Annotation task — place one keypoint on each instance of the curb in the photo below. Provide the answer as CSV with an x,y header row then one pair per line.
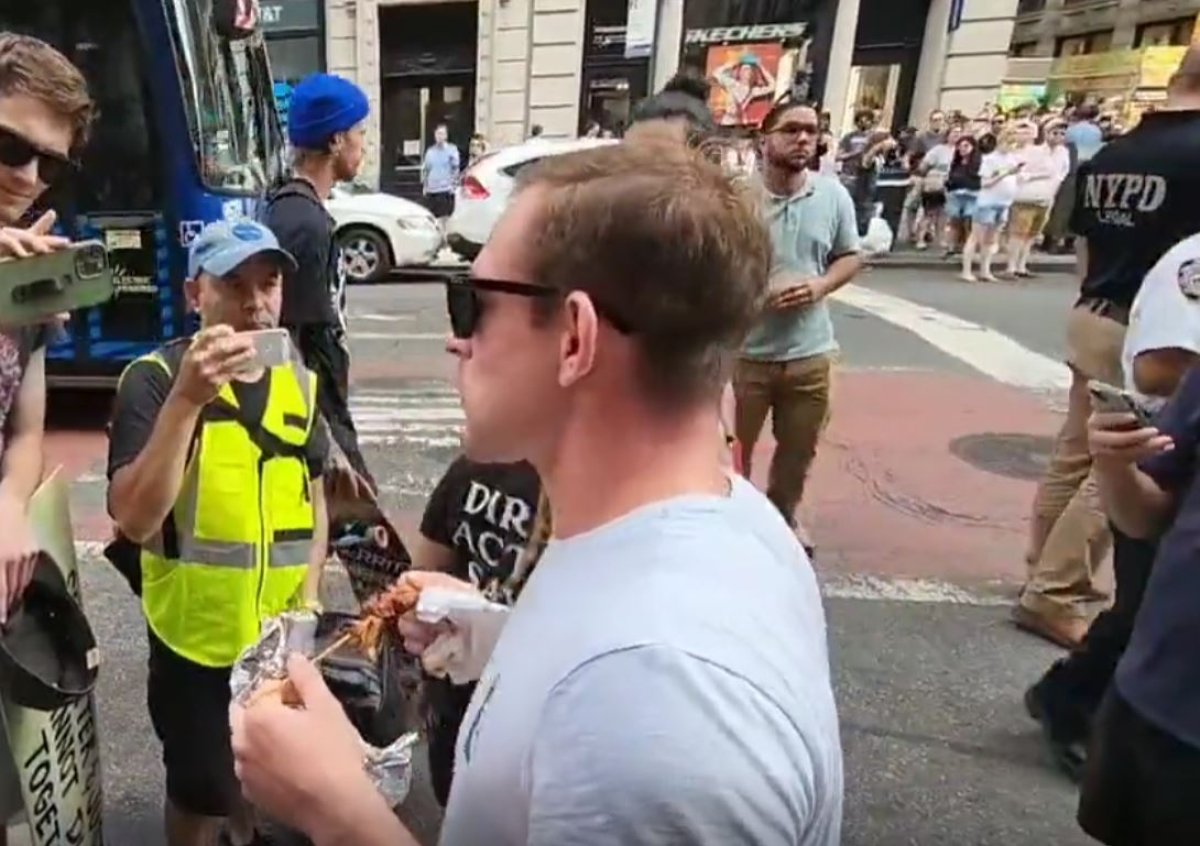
x,y
893,261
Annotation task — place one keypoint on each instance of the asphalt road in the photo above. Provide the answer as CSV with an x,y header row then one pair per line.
x,y
919,548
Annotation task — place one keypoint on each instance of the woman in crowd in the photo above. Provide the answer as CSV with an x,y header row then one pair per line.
x,y
962,189
1045,167
935,168
998,170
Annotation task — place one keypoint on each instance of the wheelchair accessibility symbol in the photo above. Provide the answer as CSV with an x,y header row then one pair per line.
x,y
189,230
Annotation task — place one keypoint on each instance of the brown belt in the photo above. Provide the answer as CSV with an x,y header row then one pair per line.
x,y
1105,308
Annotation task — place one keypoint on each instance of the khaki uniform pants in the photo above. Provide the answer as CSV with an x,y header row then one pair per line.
x,y
1068,571
796,393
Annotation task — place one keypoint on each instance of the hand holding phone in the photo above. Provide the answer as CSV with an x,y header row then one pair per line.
x,y
1109,399
272,348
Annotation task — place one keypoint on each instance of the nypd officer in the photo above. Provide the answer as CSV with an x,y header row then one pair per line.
x,y
213,472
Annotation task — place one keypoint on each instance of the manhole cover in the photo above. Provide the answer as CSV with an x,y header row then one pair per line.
x,y
1016,455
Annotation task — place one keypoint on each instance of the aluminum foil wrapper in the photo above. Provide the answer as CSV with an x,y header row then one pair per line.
x,y
389,768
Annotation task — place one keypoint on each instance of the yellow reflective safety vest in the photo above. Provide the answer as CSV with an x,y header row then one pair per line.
x,y
235,548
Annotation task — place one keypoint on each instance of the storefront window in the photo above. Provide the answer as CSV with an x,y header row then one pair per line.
x,y
294,58
873,87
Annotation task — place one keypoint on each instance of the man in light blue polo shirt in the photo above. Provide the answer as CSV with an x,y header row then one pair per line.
x,y
439,174
787,358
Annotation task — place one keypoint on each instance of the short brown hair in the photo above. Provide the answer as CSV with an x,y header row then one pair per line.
x,y
664,242
32,67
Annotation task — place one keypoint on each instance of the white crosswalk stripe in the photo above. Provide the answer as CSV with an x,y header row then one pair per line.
x,y
422,416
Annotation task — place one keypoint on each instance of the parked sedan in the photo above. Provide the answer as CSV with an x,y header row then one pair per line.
x,y
378,232
486,186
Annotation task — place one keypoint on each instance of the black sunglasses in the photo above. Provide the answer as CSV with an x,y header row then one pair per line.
x,y
466,307
18,151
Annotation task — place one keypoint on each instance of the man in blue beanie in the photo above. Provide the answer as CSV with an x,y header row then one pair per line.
x,y
326,129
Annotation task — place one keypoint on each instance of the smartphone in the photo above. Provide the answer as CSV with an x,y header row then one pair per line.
x,y
38,287
1112,400
272,348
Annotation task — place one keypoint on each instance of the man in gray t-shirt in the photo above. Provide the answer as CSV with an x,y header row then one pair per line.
x,y
647,692
663,677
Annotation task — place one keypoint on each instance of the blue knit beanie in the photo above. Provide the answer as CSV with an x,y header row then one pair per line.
x,y
322,106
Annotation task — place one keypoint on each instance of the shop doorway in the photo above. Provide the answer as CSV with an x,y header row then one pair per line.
x,y
610,93
427,57
412,108
874,87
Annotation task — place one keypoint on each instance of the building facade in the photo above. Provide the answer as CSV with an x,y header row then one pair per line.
x,y
502,67
1073,27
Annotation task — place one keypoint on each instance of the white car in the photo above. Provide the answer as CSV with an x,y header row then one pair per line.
x,y
486,186
377,232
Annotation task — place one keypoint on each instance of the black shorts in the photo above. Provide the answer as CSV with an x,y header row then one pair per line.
x,y
440,205
189,707
1141,784
933,200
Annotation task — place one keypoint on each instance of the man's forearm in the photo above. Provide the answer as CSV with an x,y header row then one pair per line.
x,y
24,462
320,544
841,272
145,491
369,823
1133,501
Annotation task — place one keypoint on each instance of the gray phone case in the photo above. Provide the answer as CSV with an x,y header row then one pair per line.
x,y
38,287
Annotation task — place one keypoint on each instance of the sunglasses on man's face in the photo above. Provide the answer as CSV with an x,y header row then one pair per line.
x,y
466,305
18,151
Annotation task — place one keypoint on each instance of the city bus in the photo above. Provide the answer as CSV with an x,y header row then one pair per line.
x,y
187,133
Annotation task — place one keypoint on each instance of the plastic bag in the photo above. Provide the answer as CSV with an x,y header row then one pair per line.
x,y
879,237
389,766
362,537
377,691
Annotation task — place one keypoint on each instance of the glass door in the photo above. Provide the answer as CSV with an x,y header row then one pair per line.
x,y
873,87
412,109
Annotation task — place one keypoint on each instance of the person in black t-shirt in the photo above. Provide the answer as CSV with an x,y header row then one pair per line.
x,y
325,126
1135,200
477,525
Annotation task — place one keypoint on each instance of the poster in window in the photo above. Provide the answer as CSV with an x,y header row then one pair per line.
x,y
743,77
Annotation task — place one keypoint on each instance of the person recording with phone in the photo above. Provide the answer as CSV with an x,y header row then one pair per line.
x,y
45,118
327,132
214,466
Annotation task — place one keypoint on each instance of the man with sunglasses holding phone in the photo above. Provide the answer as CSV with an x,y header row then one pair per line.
x,y
45,116
786,364
664,675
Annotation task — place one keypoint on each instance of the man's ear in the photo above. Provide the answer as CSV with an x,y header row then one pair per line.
x,y
191,294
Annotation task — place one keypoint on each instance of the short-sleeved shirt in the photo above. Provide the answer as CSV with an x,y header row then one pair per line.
x,y
662,679
145,387
314,294
1166,313
1135,200
1159,674
809,231
441,169
1086,138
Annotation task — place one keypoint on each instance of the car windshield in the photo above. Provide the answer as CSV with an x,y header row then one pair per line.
x,y
227,84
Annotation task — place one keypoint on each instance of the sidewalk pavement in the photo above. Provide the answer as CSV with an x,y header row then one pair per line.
x,y
906,258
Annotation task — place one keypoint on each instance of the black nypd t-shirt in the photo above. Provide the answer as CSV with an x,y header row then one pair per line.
x,y
1136,199
485,513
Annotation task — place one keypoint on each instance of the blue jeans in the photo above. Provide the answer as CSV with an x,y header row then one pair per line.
x,y
990,215
960,205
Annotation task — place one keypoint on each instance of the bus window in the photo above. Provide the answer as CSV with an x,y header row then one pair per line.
x,y
230,126
100,37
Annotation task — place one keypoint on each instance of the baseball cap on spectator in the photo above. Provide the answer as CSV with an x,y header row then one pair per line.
x,y
323,105
222,246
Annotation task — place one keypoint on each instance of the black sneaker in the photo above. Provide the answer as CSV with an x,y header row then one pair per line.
x,y
1069,755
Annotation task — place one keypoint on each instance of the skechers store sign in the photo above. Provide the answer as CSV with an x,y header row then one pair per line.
x,y
752,32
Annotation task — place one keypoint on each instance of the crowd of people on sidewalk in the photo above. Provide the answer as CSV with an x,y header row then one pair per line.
x,y
652,290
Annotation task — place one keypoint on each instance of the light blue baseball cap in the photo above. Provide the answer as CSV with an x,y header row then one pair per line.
x,y
222,246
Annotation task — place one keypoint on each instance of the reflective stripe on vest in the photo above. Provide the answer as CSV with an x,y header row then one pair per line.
x,y
236,547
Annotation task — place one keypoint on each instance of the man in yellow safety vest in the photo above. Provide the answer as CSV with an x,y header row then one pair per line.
x,y
214,466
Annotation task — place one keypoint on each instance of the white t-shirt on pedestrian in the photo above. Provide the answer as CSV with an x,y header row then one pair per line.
x,y
1166,311
1044,171
1003,193
663,679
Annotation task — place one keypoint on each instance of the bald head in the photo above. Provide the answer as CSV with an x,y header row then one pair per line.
x,y
1185,83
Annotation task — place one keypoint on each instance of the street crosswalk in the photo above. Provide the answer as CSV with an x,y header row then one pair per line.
x,y
425,415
